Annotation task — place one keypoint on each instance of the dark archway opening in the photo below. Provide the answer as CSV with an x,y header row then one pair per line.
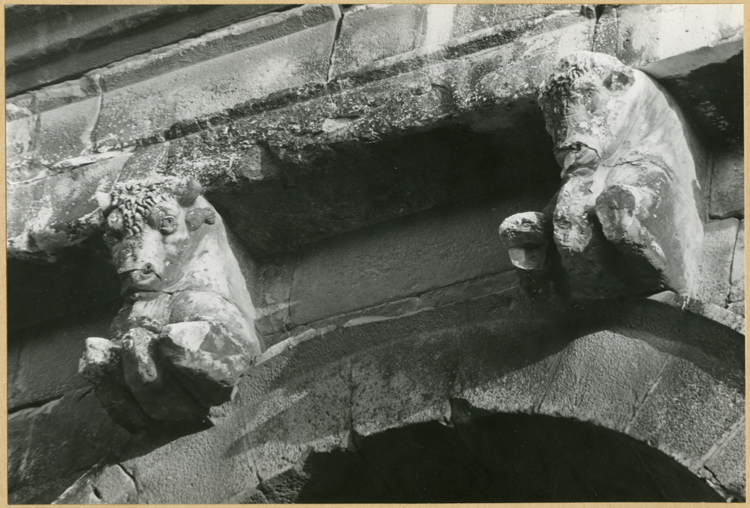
x,y
496,458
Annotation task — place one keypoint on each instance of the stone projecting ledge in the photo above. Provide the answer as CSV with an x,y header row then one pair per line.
x,y
356,134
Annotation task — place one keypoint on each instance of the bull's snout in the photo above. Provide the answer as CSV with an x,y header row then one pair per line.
x,y
144,278
575,156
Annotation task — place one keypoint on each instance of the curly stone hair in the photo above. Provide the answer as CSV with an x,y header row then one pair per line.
x,y
134,199
607,69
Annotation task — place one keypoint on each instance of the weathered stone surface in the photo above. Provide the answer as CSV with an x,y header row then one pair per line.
x,y
709,311
241,61
603,378
737,279
684,389
727,183
70,40
185,335
498,353
110,484
650,36
283,421
727,465
201,467
506,371
716,267
392,387
330,164
47,361
433,32
469,18
363,41
56,442
399,259
619,227
58,211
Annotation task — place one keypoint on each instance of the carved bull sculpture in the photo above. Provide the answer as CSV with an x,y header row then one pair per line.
x,y
185,334
628,217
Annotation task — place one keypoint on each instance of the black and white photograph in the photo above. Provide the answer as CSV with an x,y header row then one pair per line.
x,y
375,253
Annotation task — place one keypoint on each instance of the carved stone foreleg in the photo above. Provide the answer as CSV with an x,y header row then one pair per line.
x,y
206,359
527,236
151,384
101,365
638,210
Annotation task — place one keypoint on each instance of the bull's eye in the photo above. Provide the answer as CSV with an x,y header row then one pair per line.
x,y
167,225
110,239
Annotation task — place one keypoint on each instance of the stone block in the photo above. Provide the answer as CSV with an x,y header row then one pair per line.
x,y
686,413
283,422
363,39
60,210
394,386
69,40
67,115
509,367
436,30
405,257
728,184
727,465
229,67
716,267
737,281
197,466
58,440
469,18
603,378
49,354
668,40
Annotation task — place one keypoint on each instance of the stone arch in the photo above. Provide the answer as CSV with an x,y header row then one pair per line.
x,y
501,457
659,374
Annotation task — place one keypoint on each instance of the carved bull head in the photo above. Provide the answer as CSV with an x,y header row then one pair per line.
x,y
585,109
151,226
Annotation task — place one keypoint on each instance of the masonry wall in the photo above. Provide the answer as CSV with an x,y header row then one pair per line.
x,y
363,175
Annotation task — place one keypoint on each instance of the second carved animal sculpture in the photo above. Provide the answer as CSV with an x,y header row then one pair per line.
x,y
628,218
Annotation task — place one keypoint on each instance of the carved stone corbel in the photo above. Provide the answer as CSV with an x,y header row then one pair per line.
x,y
628,217
186,332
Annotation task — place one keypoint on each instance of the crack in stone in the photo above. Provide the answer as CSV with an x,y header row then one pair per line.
x,y
336,35
552,379
651,389
721,444
88,135
35,404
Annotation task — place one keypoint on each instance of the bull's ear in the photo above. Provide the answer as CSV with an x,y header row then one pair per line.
x,y
619,79
193,189
103,199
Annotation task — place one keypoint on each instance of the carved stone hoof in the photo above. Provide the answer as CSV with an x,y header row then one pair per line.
x,y
157,393
208,364
526,236
99,359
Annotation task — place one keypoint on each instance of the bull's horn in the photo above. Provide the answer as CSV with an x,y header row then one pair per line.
x,y
192,191
103,199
